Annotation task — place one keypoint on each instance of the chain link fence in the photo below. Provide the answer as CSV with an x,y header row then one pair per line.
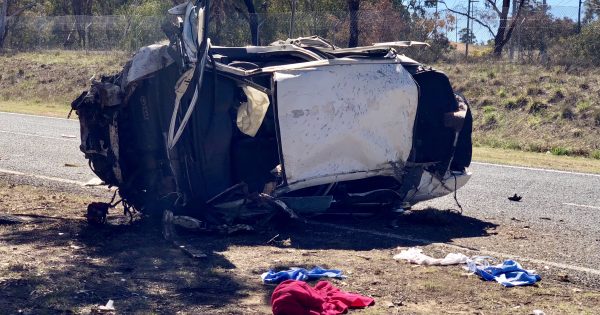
x,y
539,34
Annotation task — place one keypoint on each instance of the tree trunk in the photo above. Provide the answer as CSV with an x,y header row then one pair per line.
x,y
499,40
82,9
252,20
3,14
505,31
353,7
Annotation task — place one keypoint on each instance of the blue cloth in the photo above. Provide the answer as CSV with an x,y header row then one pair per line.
x,y
275,277
509,273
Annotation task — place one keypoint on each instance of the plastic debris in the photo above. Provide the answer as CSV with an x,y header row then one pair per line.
x,y
515,197
108,308
94,182
415,256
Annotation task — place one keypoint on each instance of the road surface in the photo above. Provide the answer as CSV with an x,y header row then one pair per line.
x,y
42,146
557,221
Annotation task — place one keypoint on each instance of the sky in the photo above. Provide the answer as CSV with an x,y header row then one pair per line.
x,y
558,8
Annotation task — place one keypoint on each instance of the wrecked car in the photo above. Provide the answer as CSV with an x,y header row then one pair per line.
x,y
301,126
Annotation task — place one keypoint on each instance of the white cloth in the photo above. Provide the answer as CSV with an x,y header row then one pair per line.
x,y
415,256
251,114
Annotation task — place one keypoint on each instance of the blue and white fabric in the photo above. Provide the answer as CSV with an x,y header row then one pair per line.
x,y
509,273
276,277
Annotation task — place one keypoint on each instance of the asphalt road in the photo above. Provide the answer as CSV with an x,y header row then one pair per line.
x,y
42,146
558,219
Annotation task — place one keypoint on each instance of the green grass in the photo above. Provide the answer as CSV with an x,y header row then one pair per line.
x,y
51,109
560,151
539,160
583,105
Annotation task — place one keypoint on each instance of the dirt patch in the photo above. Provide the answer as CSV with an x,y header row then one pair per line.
x,y
53,262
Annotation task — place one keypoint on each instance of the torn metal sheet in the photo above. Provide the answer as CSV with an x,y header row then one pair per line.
x,y
432,187
326,129
148,60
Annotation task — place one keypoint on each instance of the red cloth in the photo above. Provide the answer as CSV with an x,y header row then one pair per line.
x,y
293,297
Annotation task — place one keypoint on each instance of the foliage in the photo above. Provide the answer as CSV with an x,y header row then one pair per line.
x,y
581,49
467,36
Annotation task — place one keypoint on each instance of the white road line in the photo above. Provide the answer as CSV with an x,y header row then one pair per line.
x,y
50,178
578,205
458,247
537,169
38,136
37,116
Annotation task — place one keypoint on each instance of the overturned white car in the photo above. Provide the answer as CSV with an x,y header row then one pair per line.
x,y
220,133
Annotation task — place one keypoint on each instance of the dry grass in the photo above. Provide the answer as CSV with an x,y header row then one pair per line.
x,y
64,266
532,159
532,108
46,82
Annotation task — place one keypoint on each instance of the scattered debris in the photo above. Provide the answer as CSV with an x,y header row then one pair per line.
x,y
272,239
564,277
515,197
237,228
72,165
283,243
415,256
94,182
69,136
97,212
109,308
301,274
188,222
191,251
546,218
538,312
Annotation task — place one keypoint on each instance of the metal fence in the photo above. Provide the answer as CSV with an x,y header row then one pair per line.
x,y
536,34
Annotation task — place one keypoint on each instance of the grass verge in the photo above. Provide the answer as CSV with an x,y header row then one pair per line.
x,y
540,160
51,109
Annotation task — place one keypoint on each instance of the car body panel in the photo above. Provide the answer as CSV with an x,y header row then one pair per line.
x,y
326,129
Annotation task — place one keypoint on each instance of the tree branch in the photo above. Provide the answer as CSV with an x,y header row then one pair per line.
x,y
471,17
492,3
21,10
